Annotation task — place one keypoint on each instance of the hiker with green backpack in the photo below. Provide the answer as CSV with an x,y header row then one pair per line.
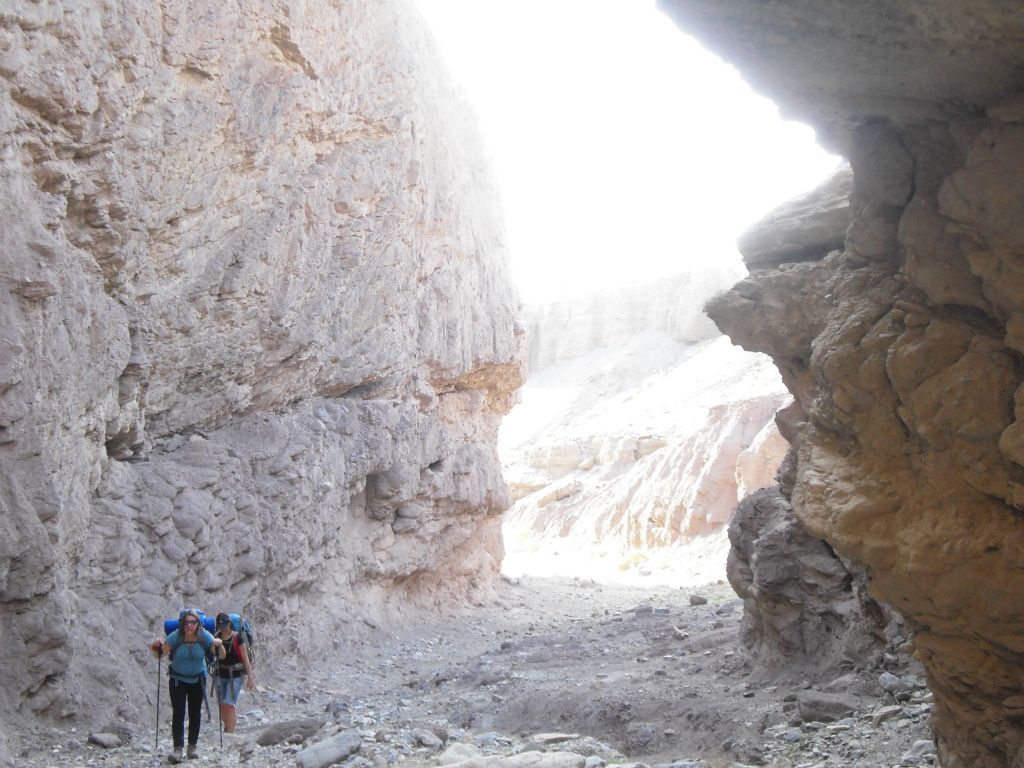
x,y
187,645
232,666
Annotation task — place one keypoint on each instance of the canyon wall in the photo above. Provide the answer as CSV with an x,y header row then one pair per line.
x,y
564,330
903,347
637,432
257,332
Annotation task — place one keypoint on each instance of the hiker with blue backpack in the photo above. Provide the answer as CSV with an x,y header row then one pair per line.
x,y
187,645
231,668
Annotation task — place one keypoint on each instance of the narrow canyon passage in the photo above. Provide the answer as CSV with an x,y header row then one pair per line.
x,y
259,333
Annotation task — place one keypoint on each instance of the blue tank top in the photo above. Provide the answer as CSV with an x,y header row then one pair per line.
x,y
189,659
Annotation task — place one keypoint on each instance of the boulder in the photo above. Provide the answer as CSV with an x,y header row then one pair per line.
x,y
329,752
817,707
289,731
105,740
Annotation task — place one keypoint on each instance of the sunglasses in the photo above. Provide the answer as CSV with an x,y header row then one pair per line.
x,y
191,621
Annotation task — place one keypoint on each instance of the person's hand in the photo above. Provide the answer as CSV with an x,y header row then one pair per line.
x,y
249,683
157,646
217,642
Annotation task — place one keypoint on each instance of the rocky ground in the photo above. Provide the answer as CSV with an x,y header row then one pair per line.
x,y
554,674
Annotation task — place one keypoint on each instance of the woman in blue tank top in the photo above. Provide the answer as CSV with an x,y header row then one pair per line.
x,y
187,645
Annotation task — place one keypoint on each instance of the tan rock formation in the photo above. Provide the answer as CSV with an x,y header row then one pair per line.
x,y
904,351
256,335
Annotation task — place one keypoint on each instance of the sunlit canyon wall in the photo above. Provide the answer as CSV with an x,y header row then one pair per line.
x,y
638,429
903,347
256,337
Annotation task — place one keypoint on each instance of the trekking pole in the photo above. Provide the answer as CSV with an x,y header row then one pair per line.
x,y
220,714
159,674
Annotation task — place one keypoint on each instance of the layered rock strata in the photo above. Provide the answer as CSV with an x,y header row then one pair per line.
x,y
903,350
257,331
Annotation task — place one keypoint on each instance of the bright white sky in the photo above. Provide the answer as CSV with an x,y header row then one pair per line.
x,y
624,150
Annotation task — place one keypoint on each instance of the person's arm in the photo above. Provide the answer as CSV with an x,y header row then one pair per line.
x,y
215,642
250,683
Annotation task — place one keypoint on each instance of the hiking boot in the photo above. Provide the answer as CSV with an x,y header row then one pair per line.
x,y
175,756
193,751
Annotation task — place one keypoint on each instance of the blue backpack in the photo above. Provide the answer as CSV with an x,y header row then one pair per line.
x,y
170,625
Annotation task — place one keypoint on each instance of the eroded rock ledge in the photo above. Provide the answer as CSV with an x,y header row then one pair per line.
x,y
904,349
256,331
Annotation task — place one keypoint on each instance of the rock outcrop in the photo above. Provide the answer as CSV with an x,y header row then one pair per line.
x,y
257,331
904,350
805,228
801,602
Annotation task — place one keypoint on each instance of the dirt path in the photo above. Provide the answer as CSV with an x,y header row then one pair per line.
x,y
637,675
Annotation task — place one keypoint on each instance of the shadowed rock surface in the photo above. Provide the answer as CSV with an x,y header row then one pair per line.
x,y
904,350
801,602
256,332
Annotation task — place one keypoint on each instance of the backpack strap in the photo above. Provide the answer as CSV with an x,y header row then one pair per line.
x,y
174,647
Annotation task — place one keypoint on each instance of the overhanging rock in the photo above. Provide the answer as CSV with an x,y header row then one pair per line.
x,y
904,349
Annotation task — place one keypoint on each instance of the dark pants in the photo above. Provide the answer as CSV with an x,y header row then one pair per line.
x,y
181,693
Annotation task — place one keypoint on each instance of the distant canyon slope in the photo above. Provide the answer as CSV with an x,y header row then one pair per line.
x,y
256,333
903,344
637,432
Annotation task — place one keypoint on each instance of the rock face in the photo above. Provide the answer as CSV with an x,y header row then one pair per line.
x,y
633,443
806,228
256,334
904,350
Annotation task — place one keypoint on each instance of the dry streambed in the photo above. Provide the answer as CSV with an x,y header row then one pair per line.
x,y
554,674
